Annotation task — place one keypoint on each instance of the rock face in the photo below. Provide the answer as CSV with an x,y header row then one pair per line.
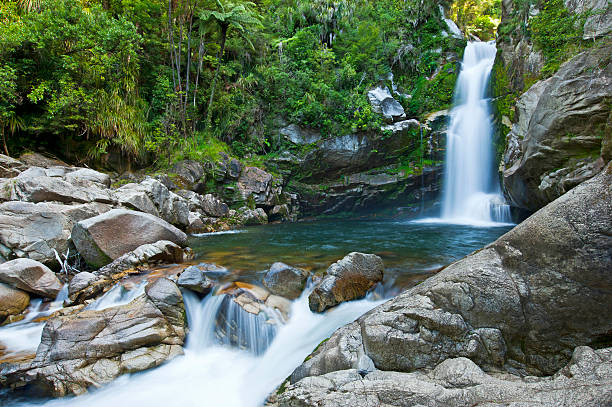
x,y
505,306
256,183
347,279
31,276
35,230
12,301
563,132
106,237
286,281
9,167
299,135
92,348
585,381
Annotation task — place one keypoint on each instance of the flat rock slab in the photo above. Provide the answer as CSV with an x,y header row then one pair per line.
x,y
31,276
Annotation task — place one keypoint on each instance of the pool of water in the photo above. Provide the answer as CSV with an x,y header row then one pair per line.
x,y
411,251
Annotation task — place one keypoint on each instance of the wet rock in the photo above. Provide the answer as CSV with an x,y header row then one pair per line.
x,y
347,279
280,212
31,276
383,102
12,301
286,281
163,251
91,348
254,299
299,135
9,167
460,382
80,281
562,128
256,183
504,307
35,230
106,237
194,278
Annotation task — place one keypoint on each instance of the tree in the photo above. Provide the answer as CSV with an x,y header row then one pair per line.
x,y
239,16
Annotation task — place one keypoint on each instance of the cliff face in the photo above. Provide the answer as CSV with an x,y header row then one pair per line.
x,y
555,131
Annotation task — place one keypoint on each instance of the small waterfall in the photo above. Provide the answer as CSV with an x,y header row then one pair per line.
x,y
471,189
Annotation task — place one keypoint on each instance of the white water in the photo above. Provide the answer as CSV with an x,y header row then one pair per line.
x,y
211,374
471,189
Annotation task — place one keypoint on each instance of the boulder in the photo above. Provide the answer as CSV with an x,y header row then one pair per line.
x,y
585,381
163,251
38,160
251,217
505,306
286,281
80,282
106,237
134,196
91,348
30,187
195,279
88,175
35,230
299,135
12,301
347,279
208,204
382,102
188,172
170,206
31,276
255,182
9,167
562,128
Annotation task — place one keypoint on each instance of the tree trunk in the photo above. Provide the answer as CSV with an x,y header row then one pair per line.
x,y
4,144
214,82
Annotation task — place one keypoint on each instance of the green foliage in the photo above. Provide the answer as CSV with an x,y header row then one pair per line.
x,y
477,17
557,33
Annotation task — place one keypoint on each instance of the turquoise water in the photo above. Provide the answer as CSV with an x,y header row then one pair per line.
x,y
411,251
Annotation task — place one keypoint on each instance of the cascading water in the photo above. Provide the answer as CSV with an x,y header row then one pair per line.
x,y
471,189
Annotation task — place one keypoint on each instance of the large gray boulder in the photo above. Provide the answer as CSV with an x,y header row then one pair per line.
x,y
384,103
286,281
170,206
31,276
194,278
347,279
255,182
134,196
91,348
459,382
35,230
563,131
522,303
106,237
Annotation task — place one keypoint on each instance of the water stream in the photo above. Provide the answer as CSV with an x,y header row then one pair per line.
x,y
471,188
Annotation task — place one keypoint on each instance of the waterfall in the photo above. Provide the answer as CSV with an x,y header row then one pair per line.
x,y
471,189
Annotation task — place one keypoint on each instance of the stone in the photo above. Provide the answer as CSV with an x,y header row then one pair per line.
x,y
35,230
170,206
9,167
106,237
506,306
80,281
134,196
563,124
12,301
162,251
251,217
459,382
255,182
234,169
193,278
31,276
89,175
189,172
208,204
32,188
299,135
348,279
382,102
39,160
286,281
91,348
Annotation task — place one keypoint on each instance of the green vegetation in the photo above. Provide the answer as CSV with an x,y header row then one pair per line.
x,y
477,17
164,80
